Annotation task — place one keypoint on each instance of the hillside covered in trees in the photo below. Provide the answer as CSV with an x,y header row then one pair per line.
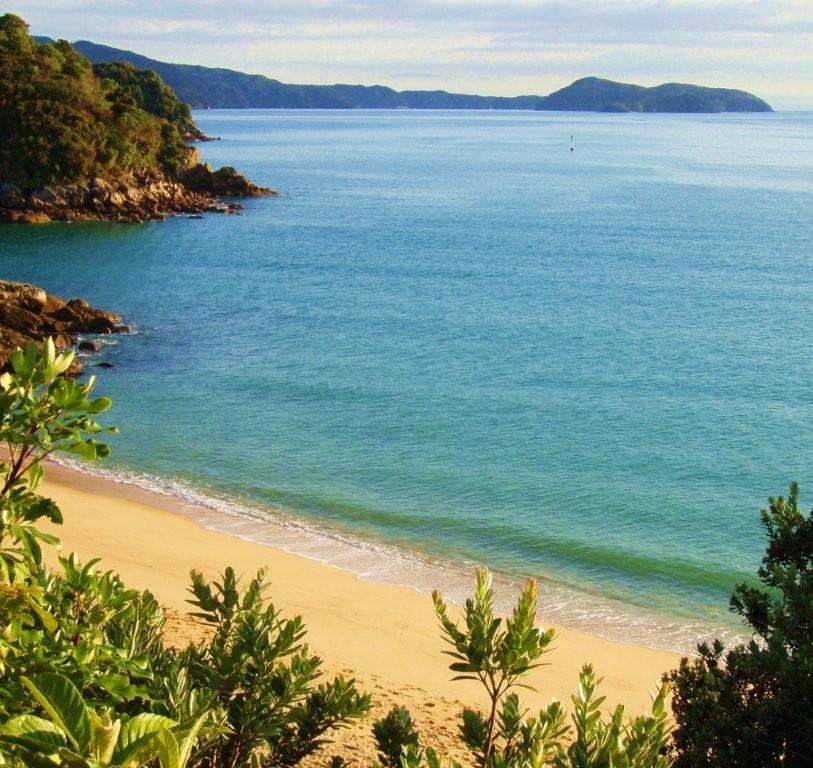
x,y
109,140
219,88
592,94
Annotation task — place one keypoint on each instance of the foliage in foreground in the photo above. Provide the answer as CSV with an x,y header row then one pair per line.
x,y
752,705
86,680
499,653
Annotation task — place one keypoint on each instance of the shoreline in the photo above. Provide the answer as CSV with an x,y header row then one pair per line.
x,y
374,559
385,635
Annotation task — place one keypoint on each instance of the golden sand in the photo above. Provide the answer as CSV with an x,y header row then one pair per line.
x,y
385,636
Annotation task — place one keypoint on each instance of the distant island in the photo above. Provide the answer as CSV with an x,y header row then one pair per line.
x,y
108,141
592,94
207,87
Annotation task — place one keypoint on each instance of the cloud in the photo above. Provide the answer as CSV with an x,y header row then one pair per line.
x,y
504,46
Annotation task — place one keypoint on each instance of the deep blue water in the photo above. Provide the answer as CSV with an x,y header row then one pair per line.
x,y
452,334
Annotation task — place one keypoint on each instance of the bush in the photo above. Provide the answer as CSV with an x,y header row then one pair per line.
x,y
85,677
753,704
393,734
498,653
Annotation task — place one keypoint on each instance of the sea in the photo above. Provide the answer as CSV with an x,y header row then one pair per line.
x,y
453,341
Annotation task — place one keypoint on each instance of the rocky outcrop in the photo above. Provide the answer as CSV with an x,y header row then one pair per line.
x,y
225,182
137,198
29,314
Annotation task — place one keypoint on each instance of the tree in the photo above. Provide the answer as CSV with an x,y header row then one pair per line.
x,y
752,705
61,122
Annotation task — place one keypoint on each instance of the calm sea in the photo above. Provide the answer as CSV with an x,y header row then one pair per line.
x,y
452,341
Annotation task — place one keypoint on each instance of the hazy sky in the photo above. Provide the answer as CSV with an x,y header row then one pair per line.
x,y
499,47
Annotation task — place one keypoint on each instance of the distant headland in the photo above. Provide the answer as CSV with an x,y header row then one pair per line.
x,y
207,87
108,141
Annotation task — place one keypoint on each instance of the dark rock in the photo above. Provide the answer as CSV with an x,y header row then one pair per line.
x,y
225,182
89,346
104,364
29,314
11,196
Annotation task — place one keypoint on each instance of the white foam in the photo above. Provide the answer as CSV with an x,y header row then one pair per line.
x,y
378,561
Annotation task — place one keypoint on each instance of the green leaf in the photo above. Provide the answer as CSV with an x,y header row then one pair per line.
x,y
168,752
84,448
105,736
136,744
99,405
60,698
32,731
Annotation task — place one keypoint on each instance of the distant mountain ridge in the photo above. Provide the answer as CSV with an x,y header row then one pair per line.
x,y
204,87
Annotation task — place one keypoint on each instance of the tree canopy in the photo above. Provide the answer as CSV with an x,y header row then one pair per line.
x,y
61,120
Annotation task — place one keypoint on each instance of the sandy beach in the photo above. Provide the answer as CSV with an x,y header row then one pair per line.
x,y
383,635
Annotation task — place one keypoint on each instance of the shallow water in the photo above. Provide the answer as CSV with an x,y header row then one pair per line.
x,y
455,337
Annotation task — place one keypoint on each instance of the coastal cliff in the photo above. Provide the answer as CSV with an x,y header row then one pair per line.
x,y
28,313
82,142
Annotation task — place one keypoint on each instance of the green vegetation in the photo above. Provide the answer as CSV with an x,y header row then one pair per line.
x,y
498,653
753,704
60,121
87,681
593,94
227,89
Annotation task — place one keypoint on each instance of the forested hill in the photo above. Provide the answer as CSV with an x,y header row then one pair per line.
x,y
228,89
592,94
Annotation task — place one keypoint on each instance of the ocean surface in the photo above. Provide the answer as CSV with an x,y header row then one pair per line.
x,y
452,341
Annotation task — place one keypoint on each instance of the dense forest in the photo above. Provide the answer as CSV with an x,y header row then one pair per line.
x,y
62,119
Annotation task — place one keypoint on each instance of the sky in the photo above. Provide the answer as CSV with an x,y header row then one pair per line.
x,y
494,47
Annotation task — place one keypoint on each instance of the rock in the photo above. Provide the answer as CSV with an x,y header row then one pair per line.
x,y
29,314
11,196
81,317
225,182
137,197
35,217
89,346
104,364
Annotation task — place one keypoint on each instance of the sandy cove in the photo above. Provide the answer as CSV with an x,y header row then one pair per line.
x,y
385,636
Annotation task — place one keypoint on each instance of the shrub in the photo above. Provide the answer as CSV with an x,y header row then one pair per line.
x,y
79,647
393,734
753,704
257,670
498,653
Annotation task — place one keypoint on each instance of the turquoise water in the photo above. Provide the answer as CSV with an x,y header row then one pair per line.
x,y
453,336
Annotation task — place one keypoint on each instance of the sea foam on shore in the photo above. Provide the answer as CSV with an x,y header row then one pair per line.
x,y
383,562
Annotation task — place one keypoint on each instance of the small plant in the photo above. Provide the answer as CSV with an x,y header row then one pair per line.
x,y
393,734
257,670
77,736
495,656
499,653
41,411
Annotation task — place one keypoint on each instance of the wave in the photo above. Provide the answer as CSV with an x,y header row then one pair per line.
x,y
382,562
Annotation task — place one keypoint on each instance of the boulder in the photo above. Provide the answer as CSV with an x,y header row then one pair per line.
x,y
224,182
29,314
11,197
